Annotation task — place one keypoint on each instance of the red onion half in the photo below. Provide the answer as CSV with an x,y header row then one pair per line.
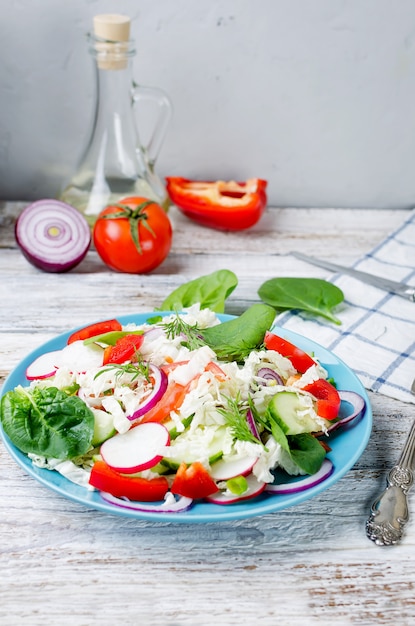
x,y
52,235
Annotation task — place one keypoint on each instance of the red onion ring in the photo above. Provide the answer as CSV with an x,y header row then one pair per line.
x,y
358,409
159,387
52,235
269,374
181,504
252,424
324,472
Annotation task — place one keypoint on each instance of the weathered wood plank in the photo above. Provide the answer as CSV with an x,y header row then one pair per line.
x,y
63,563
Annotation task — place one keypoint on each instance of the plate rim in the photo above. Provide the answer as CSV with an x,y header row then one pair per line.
x,y
200,512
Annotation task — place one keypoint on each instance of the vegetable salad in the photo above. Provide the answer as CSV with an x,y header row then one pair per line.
x,y
171,409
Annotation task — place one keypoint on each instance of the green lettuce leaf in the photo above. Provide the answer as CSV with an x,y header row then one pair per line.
x,y
47,422
316,296
211,291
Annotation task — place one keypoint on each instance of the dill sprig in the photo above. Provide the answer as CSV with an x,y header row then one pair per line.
x,y
190,333
136,369
235,418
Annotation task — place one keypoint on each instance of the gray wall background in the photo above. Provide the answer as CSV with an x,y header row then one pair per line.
x,y
317,96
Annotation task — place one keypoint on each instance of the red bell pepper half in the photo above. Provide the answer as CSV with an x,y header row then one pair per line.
x,y
104,478
93,330
223,205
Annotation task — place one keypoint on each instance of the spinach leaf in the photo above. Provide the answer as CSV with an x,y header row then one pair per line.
x,y
304,449
313,295
210,290
235,339
306,452
47,422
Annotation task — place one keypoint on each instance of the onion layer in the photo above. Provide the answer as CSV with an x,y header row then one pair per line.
x,y
252,424
307,482
267,373
52,235
159,387
181,504
358,408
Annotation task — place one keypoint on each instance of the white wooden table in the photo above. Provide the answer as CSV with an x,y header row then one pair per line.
x,y
62,563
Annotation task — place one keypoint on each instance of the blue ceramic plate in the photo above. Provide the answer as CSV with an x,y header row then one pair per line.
x,y
347,446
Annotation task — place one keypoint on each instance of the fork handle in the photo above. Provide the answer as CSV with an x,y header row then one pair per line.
x,y
389,512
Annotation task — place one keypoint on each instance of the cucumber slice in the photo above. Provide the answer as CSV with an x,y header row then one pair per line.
x,y
103,427
286,409
173,464
172,427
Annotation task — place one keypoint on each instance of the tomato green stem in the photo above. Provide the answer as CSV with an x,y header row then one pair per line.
x,y
135,217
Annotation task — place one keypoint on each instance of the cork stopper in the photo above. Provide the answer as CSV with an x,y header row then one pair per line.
x,y
112,32
112,27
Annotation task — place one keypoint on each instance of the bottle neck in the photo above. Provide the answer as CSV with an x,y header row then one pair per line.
x,y
113,63
111,55
114,87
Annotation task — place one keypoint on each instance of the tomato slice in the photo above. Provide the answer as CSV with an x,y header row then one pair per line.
x,y
104,478
93,330
171,400
216,370
123,350
300,359
328,399
193,481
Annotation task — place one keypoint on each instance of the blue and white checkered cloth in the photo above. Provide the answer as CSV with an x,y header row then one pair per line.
x,y
377,336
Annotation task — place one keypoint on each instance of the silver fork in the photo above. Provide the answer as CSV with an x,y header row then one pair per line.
x,y
389,512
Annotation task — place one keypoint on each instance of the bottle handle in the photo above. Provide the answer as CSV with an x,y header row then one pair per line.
x,y
161,122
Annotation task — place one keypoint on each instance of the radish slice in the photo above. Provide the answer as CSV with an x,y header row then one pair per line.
x,y
302,484
175,506
254,489
44,366
160,386
78,358
138,449
224,470
52,235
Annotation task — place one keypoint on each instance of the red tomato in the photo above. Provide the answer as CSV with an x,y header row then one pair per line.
x,y
171,400
193,481
300,359
104,478
133,236
95,329
328,399
124,349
